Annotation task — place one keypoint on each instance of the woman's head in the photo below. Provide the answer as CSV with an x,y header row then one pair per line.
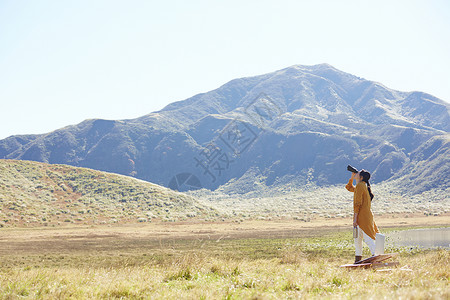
x,y
364,175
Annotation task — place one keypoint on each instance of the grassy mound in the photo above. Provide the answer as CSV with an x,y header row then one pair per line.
x,y
38,194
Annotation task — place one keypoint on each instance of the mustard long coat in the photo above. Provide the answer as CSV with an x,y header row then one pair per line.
x,y
361,206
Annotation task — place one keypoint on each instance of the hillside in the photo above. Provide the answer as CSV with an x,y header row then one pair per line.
x,y
36,194
429,169
290,127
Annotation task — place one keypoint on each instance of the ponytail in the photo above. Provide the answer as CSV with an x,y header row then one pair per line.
x,y
370,190
366,176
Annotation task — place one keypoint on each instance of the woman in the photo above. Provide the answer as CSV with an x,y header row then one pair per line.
x,y
362,217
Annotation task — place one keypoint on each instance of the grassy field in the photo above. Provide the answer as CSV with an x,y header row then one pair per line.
x,y
249,260
76,233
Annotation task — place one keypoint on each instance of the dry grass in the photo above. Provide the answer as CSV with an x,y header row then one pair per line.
x,y
294,253
38,194
209,268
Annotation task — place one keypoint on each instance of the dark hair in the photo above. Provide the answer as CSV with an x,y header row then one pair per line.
x,y
365,177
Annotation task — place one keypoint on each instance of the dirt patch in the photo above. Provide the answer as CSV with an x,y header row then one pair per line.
x,y
69,239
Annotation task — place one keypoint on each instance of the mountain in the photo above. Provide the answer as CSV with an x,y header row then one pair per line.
x,y
36,194
292,126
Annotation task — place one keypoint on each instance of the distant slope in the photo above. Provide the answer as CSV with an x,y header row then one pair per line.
x,y
36,194
296,125
429,169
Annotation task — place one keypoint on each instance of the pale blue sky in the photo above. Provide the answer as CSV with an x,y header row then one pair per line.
x,y
65,61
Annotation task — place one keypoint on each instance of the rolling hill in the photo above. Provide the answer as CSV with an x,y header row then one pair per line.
x,y
39,194
293,126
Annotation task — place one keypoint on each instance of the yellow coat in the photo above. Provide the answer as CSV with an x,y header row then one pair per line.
x,y
361,206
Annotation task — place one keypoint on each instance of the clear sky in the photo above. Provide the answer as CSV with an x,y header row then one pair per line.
x,y
62,62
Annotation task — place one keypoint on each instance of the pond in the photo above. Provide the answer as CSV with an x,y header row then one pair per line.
x,y
422,238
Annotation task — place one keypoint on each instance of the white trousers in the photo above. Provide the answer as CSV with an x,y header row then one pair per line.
x,y
359,243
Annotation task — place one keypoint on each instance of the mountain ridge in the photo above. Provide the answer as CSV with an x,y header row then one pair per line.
x,y
343,117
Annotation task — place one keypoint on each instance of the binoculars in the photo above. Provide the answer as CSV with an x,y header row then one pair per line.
x,y
351,169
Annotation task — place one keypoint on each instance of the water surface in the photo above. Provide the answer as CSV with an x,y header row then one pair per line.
x,y
422,238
